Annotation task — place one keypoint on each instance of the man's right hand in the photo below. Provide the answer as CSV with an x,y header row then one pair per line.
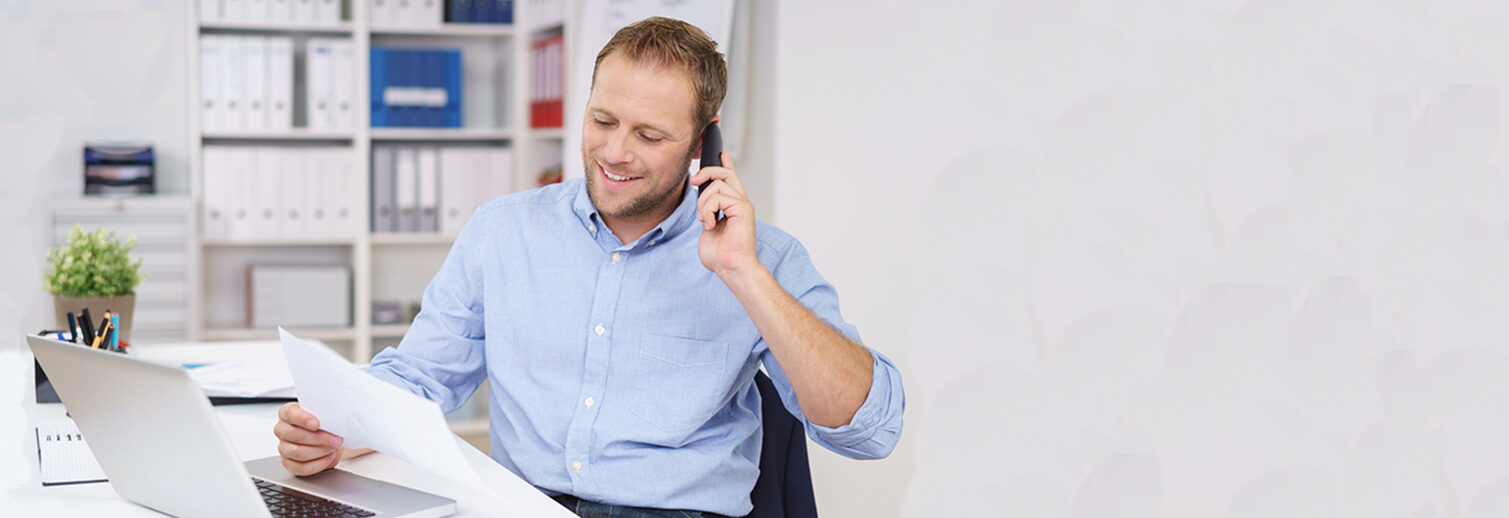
x,y
305,448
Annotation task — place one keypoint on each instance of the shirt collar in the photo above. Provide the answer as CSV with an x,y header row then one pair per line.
x,y
674,225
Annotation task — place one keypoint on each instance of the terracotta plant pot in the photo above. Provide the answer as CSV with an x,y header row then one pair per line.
x,y
123,304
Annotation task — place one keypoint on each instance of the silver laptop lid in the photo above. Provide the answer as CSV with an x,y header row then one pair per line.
x,y
152,430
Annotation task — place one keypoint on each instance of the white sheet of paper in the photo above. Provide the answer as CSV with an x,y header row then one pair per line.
x,y
250,377
370,413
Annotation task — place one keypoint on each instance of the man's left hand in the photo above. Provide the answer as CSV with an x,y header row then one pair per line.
x,y
726,246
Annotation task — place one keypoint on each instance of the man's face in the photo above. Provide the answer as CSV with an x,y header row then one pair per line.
x,y
637,138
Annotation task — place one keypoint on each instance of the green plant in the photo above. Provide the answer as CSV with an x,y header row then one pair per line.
x,y
92,265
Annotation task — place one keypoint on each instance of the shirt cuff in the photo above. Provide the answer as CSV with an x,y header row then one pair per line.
x,y
870,416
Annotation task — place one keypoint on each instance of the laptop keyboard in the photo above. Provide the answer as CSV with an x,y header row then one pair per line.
x,y
283,501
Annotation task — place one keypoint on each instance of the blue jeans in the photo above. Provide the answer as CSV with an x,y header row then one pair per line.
x,y
589,509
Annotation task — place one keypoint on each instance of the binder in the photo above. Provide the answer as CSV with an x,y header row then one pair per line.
x,y
303,13
268,204
456,200
406,188
231,84
404,13
503,13
343,61
279,84
497,169
377,81
241,184
429,13
407,76
317,83
211,107
279,11
214,211
433,63
458,11
383,13
338,193
482,10
233,10
254,58
384,213
256,11
429,189
451,70
327,12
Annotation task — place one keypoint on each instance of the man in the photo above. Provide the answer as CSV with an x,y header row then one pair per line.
x,y
621,322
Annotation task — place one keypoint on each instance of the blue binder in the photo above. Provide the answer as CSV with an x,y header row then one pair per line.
x,y
503,12
434,77
452,66
407,76
482,10
459,11
378,78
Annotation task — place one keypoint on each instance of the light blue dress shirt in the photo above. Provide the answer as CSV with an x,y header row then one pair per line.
x,y
620,373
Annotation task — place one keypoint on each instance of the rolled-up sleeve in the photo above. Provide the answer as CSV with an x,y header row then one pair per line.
x,y
441,357
876,426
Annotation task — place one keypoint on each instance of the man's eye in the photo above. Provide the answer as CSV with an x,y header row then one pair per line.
x,y
648,138
601,122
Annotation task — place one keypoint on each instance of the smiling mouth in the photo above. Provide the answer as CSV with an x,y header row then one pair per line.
x,y
614,177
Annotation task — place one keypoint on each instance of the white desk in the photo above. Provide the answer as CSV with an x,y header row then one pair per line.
x,y
250,430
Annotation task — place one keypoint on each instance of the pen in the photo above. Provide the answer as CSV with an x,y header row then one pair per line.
x,y
103,322
96,343
73,328
107,336
115,331
86,326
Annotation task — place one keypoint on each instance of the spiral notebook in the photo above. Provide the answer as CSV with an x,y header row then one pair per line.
x,y
64,455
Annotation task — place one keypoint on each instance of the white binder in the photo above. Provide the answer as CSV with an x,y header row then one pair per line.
x,y
384,218
339,194
429,189
233,10
232,82
268,202
317,83
384,13
406,189
428,13
279,84
456,199
240,183
254,59
303,12
256,11
327,12
498,168
342,85
294,187
279,11
214,211
212,105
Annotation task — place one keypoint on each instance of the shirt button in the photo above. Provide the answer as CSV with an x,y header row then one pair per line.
x,y
576,465
600,329
592,228
652,243
615,257
589,402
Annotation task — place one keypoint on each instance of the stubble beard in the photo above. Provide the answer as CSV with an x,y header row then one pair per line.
x,y
639,206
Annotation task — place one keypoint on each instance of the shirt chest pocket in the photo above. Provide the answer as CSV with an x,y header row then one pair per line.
x,y
679,382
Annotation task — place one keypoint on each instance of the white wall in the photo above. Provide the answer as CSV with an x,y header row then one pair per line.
x,y
1179,258
75,72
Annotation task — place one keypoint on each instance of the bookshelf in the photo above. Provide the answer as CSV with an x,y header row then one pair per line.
x,y
383,265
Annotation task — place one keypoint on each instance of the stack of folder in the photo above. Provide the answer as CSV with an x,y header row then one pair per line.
x,y
435,189
247,83
272,12
255,192
547,68
416,87
479,11
406,13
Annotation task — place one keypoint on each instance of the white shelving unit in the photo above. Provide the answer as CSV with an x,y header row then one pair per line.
x,y
381,264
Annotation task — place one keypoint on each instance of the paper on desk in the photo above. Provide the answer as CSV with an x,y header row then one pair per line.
x,y
370,413
251,377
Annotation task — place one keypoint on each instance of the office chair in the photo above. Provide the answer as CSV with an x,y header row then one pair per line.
x,y
784,488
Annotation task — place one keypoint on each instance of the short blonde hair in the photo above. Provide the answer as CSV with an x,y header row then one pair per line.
x,y
665,41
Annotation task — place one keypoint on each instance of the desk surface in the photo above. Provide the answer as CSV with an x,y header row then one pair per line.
x,y
250,430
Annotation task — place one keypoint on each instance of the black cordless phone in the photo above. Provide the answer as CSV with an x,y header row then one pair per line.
x,y
712,155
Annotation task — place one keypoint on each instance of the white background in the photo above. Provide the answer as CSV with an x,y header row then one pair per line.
x,y
1135,259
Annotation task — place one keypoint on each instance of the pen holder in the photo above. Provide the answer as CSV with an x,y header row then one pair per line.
x,y
121,304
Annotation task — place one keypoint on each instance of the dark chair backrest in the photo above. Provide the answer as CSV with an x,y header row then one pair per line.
x,y
784,489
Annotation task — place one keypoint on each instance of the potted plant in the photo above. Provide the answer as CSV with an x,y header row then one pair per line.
x,y
95,271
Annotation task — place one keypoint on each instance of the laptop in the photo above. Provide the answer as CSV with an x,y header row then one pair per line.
x,y
158,440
